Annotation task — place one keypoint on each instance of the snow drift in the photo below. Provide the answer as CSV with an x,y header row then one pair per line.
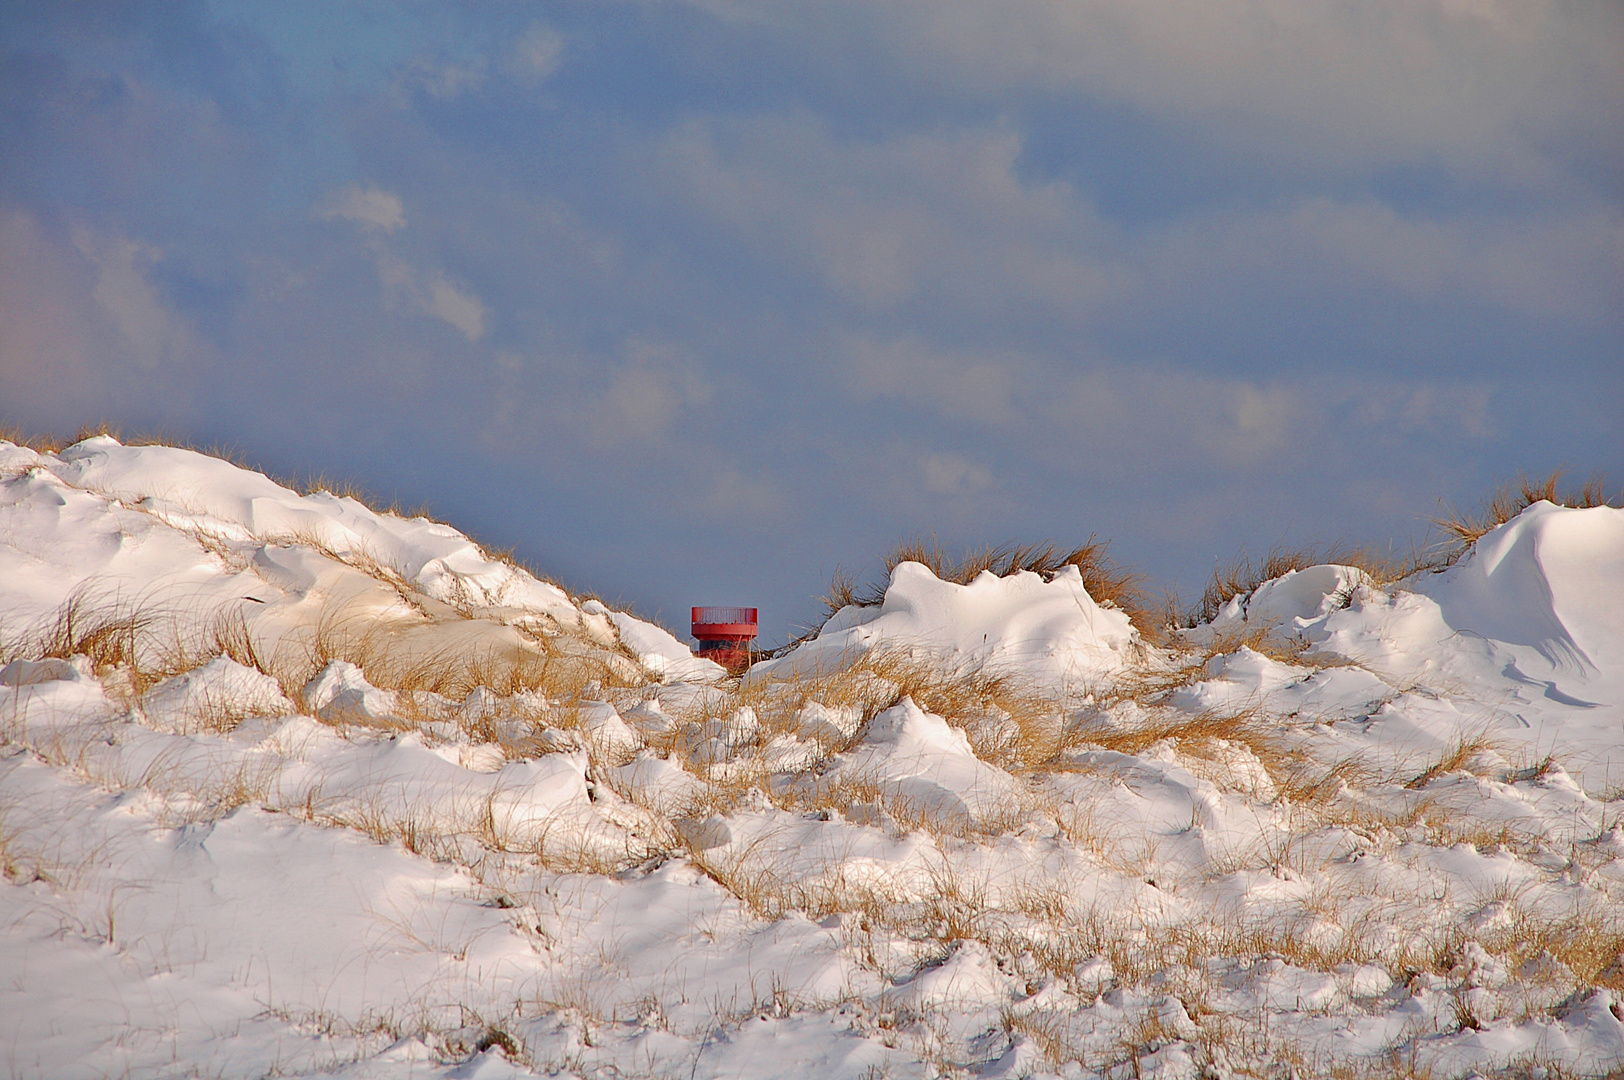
x,y
1046,631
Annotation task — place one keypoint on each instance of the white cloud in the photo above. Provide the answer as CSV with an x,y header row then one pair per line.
x,y
958,384
47,341
950,222
1262,419
1141,413
951,474
369,207
457,307
1315,81
656,385
130,302
886,222
1556,264
1456,410
1567,265
444,79
747,496
539,51
403,285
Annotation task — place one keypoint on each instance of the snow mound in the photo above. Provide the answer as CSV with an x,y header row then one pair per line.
x,y
1551,579
1050,631
916,758
186,488
968,979
221,692
340,691
1289,602
174,529
658,648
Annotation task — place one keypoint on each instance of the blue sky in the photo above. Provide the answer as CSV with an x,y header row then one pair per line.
x,y
691,302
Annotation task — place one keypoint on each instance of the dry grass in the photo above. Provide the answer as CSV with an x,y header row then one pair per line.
x,y
430,656
878,800
131,643
1589,943
425,648
1210,734
1293,650
1462,530
1181,664
431,666
40,444
1455,759
1025,721
398,655
417,835
1193,730
108,631
347,489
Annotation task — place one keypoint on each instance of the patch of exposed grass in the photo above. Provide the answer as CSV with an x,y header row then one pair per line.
x,y
1008,720
39,443
397,656
1455,759
106,631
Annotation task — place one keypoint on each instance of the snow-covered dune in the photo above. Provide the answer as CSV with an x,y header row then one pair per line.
x,y
289,786
1050,631
179,533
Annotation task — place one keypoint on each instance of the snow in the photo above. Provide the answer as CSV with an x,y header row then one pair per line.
x,y
221,691
1051,631
915,757
289,786
657,647
1551,581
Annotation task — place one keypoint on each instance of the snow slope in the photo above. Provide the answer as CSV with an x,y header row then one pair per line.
x,y
292,787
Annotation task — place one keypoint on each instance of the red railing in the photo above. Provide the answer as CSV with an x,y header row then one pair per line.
x,y
724,616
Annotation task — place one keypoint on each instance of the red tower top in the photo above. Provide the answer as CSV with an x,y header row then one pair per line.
x,y
724,634
713,623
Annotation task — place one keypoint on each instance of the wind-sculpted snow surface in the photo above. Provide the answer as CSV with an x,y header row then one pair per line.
x,y
1049,631
1553,581
292,787
188,489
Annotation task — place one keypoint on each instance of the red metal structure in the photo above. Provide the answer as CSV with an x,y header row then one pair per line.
x,y
724,635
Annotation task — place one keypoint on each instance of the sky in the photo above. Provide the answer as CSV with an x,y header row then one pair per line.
x,y
696,301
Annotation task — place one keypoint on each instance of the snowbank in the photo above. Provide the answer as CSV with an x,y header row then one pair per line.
x,y
188,489
1550,580
916,759
173,530
1051,632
